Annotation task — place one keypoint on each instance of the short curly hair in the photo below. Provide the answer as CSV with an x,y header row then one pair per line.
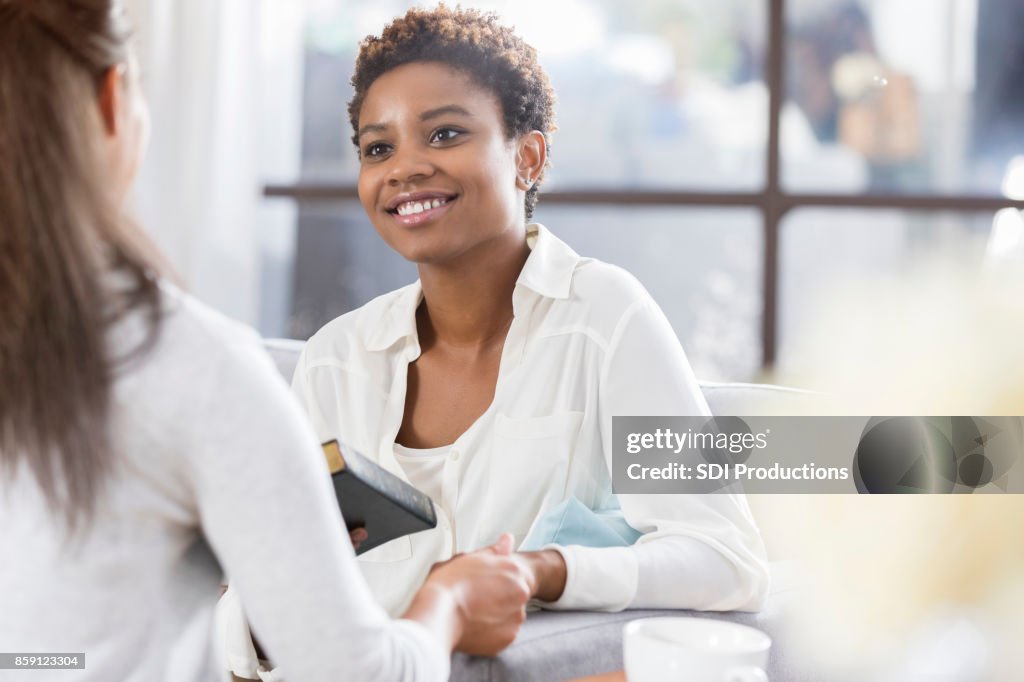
x,y
473,42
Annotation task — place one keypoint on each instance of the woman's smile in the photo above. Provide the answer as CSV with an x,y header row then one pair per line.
x,y
412,209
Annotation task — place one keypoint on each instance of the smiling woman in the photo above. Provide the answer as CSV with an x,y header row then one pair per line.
x,y
499,371
491,382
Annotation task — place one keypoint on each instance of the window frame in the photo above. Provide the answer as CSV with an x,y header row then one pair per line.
x,y
773,202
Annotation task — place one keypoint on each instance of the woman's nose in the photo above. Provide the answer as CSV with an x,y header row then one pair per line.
x,y
409,165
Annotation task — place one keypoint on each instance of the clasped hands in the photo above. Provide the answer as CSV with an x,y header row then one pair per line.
x,y
491,587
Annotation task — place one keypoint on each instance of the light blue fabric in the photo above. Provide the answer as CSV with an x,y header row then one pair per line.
x,y
573,523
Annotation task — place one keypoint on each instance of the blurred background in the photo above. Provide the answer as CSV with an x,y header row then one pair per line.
x,y
821,192
741,157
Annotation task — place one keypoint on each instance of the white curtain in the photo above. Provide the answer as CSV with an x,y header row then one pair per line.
x,y
224,83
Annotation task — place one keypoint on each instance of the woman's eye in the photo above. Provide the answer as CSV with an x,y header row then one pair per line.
x,y
375,149
444,135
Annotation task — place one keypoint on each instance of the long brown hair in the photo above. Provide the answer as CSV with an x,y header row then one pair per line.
x,y
62,236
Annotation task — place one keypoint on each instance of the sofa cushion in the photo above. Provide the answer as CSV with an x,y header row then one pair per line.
x,y
285,354
556,646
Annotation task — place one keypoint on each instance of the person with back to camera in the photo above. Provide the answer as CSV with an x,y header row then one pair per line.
x,y
143,437
491,382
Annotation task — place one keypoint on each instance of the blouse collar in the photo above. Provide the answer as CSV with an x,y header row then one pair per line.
x,y
547,273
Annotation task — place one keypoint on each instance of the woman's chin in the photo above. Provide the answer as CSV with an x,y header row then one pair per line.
x,y
421,254
424,249
426,258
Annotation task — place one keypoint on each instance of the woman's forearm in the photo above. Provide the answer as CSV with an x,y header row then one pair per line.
x,y
436,608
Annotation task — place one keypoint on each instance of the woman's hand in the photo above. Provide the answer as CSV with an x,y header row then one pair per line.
x,y
357,536
488,589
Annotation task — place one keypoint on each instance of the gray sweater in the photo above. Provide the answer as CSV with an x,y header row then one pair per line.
x,y
217,471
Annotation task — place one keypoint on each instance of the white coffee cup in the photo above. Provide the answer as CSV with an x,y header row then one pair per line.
x,y
694,650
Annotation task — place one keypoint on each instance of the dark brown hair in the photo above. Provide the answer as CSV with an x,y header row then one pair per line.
x,y
473,42
62,240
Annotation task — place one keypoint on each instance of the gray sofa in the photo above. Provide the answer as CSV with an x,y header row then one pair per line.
x,y
556,646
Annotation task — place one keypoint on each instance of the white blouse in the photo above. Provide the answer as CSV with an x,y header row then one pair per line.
x,y
587,342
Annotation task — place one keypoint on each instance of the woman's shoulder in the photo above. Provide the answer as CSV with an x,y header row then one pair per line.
x,y
606,293
596,279
195,363
189,324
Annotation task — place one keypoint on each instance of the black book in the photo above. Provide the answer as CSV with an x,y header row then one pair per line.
x,y
374,498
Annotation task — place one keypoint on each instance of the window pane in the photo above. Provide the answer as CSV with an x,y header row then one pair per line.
x,y
829,252
657,94
340,264
910,96
702,266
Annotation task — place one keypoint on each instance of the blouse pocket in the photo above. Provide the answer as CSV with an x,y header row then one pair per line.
x,y
396,550
529,469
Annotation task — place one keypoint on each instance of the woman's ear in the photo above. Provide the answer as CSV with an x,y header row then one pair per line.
x,y
531,155
110,98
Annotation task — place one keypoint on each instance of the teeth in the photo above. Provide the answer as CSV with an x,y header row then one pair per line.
x,y
414,207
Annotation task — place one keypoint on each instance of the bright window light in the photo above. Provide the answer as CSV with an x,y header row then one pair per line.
x,y
1007,235
559,28
1013,181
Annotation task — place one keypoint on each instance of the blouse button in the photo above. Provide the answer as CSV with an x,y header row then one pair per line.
x,y
454,456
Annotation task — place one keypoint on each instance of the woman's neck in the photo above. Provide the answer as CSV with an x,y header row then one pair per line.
x,y
469,304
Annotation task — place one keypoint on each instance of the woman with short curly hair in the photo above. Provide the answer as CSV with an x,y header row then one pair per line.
x,y
492,381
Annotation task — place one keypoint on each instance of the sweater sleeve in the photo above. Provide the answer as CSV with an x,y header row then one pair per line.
x,y
697,551
267,508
